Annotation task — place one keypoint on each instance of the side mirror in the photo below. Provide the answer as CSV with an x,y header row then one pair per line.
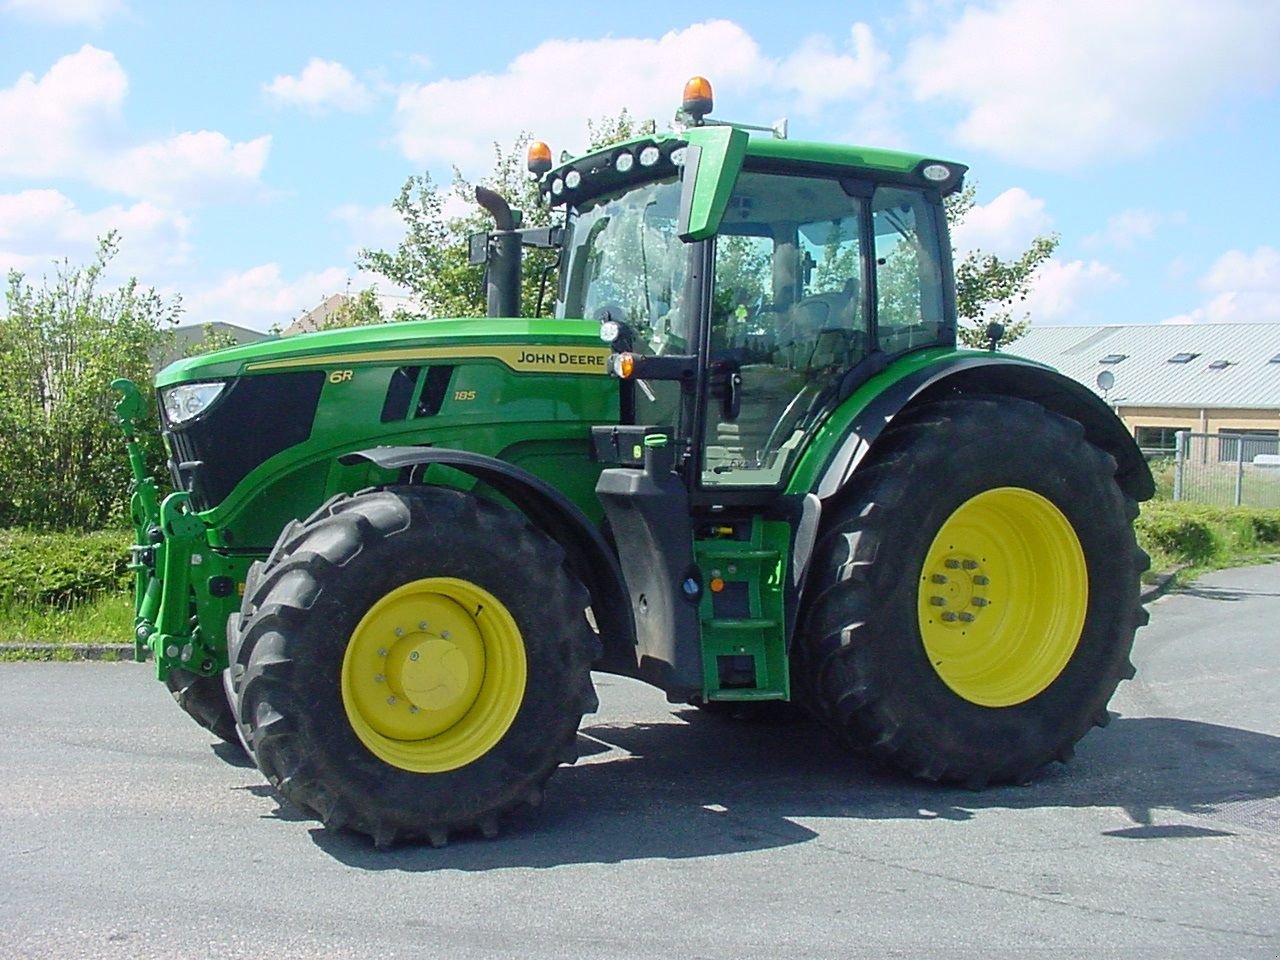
x,y
478,249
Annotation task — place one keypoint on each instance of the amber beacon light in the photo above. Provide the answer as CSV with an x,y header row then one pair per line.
x,y
539,158
697,100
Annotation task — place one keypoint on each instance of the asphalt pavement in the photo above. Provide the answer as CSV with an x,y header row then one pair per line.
x,y
129,832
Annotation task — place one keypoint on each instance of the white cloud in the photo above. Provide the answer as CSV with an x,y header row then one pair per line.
x,y
1005,226
1060,291
820,75
1126,228
38,227
375,228
91,13
323,85
72,128
457,121
74,104
204,165
1241,287
262,297
1060,85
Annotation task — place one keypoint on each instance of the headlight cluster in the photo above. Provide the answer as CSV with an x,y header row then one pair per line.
x,y
612,168
188,400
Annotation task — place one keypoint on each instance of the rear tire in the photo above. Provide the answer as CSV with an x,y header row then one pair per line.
x,y
412,662
974,595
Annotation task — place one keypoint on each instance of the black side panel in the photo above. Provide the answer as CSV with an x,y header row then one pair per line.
x,y
649,514
256,418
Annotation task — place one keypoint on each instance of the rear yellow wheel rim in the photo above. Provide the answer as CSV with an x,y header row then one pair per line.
x,y
434,675
1002,597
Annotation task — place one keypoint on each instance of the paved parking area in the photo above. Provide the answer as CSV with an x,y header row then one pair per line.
x,y
129,833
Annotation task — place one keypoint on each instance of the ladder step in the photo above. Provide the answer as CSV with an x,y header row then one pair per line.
x,y
741,695
743,624
731,552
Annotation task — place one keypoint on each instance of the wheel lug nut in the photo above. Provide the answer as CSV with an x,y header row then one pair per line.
x,y
391,701
979,580
979,601
399,631
382,652
413,709
949,617
952,564
966,618
379,678
414,655
939,578
422,625
970,564
444,634
938,601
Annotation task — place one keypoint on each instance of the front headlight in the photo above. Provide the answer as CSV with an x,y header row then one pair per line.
x,y
188,400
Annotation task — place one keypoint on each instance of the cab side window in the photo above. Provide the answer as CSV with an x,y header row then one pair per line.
x,y
909,302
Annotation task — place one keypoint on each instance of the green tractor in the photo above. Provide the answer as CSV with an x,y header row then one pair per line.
x,y
744,462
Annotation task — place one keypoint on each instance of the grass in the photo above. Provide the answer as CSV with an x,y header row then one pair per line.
x,y
106,619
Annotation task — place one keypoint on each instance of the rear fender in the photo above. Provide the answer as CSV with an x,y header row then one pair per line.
x,y
992,375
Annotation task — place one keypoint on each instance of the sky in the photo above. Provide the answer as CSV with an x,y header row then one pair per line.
x,y
246,152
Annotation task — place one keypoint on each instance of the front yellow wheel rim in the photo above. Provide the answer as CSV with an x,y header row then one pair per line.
x,y
434,675
1002,597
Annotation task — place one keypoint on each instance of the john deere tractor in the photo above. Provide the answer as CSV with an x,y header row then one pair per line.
x,y
743,461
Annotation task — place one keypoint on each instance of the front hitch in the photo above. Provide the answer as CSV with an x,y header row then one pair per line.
x,y
144,511
168,539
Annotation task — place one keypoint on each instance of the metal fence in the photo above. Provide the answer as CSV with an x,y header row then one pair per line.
x,y
1227,469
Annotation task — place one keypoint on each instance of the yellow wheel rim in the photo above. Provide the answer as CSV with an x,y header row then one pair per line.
x,y
1002,597
433,675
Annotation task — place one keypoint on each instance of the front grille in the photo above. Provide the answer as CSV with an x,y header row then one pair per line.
x,y
253,420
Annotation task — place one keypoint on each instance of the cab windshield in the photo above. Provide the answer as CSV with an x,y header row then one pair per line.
x,y
622,254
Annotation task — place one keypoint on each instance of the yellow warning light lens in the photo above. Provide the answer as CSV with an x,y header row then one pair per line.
x,y
626,365
716,585
539,157
697,97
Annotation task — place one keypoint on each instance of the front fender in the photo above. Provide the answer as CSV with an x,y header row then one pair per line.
x,y
589,555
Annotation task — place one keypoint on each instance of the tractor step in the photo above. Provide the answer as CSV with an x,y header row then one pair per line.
x,y
741,614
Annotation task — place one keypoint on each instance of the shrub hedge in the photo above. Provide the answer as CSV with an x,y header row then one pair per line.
x,y
1200,535
62,568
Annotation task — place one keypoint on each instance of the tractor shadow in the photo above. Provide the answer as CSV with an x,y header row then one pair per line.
x,y
693,785
1229,594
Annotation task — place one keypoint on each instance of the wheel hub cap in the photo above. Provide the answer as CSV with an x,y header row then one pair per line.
x,y
434,675
1002,597
431,675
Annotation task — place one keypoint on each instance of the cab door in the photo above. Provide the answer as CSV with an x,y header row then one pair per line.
x,y
788,316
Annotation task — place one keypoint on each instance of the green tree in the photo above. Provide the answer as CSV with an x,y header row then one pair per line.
x,y
211,339
989,288
432,259
62,463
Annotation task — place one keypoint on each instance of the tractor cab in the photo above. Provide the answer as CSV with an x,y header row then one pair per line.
x,y
749,284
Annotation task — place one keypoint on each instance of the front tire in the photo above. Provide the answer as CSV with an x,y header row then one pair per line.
x,y
974,596
204,701
412,662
